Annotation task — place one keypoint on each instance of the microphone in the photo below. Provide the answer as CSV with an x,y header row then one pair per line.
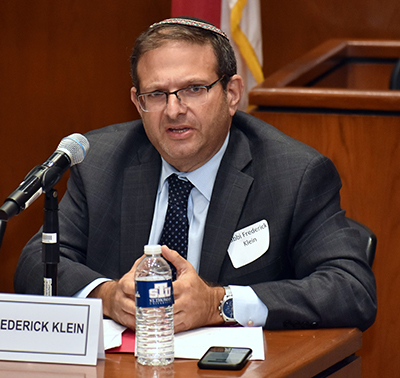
x,y
71,150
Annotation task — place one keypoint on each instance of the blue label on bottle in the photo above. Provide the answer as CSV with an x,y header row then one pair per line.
x,y
154,293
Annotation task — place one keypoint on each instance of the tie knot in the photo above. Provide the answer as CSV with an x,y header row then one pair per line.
x,y
178,190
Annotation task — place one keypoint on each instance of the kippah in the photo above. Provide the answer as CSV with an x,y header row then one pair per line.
x,y
189,21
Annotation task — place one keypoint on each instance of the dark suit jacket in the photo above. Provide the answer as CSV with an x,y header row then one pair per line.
x,y
314,273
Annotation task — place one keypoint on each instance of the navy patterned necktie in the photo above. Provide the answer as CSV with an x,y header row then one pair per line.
x,y
176,226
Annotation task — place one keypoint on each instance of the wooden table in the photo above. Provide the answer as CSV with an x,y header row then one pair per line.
x,y
300,353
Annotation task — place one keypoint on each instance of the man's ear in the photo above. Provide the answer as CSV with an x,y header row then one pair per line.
x,y
234,90
135,100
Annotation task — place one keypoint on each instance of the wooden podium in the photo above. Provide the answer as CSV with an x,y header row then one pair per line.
x,y
338,75
336,99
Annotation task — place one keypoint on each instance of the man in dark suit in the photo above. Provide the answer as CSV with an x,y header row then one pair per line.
x,y
268,242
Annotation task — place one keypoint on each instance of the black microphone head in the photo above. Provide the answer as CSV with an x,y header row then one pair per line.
x,y
76,146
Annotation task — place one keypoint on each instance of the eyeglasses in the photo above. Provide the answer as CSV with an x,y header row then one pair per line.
x,y
193,95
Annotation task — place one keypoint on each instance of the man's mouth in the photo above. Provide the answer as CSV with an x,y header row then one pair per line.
x,y
179,131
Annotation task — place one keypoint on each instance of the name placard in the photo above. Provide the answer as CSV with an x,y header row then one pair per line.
x,y
51,329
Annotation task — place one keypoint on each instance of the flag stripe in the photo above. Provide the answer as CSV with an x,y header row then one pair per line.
x,y
245,47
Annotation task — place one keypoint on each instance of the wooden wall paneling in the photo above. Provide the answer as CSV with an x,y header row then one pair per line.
x,y
64,68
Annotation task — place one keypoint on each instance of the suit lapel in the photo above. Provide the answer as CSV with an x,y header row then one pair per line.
x,y
138,199
229,194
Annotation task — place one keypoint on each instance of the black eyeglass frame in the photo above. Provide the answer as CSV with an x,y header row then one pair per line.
x,y
167,94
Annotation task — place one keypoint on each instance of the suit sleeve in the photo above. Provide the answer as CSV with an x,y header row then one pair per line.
x,y
333,285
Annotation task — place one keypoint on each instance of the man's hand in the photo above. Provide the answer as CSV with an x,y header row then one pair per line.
x,y
119,297
196,303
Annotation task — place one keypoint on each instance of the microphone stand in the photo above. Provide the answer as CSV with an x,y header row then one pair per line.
x,y
3,225
50,243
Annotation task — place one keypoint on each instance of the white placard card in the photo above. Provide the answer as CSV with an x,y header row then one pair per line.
x,y
51,329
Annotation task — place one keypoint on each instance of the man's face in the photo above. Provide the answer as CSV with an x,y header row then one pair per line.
x,y
186,136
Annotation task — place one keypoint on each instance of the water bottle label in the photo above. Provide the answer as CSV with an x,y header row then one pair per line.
x,y
154,293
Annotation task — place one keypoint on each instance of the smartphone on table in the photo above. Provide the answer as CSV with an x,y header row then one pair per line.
x,y
225,358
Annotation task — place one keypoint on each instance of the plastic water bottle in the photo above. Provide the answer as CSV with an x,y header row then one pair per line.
x,y
154,314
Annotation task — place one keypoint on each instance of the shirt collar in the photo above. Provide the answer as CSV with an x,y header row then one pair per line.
x,y
202,178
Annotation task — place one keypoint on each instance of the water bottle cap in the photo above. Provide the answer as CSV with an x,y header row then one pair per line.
x,y
152,249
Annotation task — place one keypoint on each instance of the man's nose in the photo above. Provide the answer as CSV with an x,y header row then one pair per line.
x,y
174,105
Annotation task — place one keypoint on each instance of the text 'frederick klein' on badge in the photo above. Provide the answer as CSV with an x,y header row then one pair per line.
x,y
249,243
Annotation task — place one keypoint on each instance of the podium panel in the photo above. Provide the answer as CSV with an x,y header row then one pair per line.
x,y
336,99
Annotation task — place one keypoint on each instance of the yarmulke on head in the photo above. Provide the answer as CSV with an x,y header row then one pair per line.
x,y
191,21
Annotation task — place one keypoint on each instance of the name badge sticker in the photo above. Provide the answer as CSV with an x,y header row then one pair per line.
x,y
249,243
